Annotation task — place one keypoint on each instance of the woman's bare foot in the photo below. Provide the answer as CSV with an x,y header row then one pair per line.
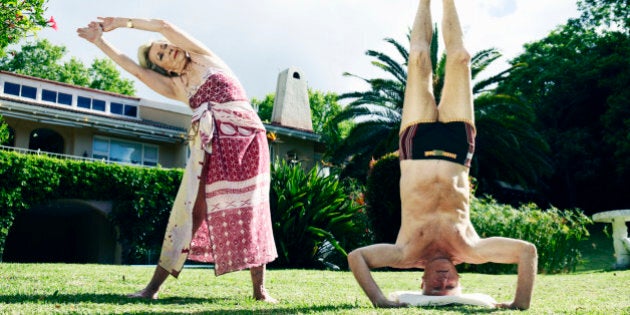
x,y
144,294
265,297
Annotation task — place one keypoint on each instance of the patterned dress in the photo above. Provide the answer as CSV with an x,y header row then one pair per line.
x,y
230,157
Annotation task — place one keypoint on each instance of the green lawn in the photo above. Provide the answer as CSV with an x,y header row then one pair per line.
x,y
90,289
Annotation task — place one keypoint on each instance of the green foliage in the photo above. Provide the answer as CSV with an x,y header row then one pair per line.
x,y
106,77
556,233
315,218
382,198
42,59
264,107
19,19
4,131
142,197
610,13
577,79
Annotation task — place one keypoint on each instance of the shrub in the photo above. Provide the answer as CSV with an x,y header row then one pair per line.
x,y
142,197
554,232
382,197
315,219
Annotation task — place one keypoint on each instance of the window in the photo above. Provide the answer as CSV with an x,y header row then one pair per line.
x,y
125,151
49,96
100,148
29,92
131,111
20,90
123,109
84,102
56,97
88,103
11,88
98,105
150,155
65,99
116,108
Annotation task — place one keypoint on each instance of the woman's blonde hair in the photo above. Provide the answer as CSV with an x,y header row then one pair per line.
x,y
145,62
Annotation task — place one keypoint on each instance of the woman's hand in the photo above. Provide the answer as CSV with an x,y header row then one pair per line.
x,y
92,32
108,23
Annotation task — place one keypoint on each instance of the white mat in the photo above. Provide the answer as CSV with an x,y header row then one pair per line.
x,y
416,298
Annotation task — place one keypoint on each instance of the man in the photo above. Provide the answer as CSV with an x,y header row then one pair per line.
x,y
436,147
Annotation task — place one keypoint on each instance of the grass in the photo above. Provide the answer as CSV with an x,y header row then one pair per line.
x,y
101,289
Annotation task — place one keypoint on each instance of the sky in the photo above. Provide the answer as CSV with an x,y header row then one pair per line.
x,y
258,39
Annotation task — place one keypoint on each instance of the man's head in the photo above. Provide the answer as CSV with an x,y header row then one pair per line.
x,y
440,278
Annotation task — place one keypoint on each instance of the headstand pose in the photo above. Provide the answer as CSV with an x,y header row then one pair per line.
x,y
221,212
436,148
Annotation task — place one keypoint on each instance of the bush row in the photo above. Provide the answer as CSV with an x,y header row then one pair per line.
x,y
315,218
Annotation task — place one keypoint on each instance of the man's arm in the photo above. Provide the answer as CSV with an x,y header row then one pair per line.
x,y
512,251
363,259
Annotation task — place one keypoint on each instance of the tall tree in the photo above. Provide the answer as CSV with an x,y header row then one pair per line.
x,y
509,148
613,14
44,60
19,19
577,77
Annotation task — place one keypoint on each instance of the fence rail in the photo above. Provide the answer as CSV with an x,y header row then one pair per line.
x,y
64,156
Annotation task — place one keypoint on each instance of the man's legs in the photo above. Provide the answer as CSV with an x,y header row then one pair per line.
x,y
419,104
457,101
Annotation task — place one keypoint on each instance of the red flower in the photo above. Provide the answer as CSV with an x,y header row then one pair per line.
x,y
53,23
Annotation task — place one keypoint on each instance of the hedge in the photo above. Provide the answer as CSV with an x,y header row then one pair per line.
x,y
142,197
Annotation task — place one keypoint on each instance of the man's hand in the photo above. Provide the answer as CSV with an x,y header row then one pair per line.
x,y
362,260
511,306
385,303
512,251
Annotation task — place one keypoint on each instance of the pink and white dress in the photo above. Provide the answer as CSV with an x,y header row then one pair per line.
x,y
230,157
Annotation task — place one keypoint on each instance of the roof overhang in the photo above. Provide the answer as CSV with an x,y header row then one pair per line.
x,y
294,133
33,111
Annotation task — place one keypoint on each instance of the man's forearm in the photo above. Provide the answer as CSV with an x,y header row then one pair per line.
x,y
527,269
362,274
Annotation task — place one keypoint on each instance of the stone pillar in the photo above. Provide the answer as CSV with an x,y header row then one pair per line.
x,y
291,106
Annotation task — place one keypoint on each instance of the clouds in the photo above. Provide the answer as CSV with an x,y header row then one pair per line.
x,y
324,38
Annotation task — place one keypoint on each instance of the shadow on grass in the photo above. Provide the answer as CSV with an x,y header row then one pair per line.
x,y
277,310
96,298
116,299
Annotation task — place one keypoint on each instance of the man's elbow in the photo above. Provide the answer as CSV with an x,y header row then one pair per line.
x,y
353,256
531,252
357,261
529,257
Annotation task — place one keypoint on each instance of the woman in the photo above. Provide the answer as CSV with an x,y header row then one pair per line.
x,y
221,212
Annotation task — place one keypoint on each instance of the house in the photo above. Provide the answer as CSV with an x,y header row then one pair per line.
x,y
71,122
68,121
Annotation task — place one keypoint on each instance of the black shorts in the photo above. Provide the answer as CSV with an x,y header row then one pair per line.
x,y
452,141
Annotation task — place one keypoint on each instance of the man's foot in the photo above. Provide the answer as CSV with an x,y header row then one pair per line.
x,y
144,294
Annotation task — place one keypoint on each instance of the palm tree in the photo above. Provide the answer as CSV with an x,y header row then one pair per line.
x,y
508,146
